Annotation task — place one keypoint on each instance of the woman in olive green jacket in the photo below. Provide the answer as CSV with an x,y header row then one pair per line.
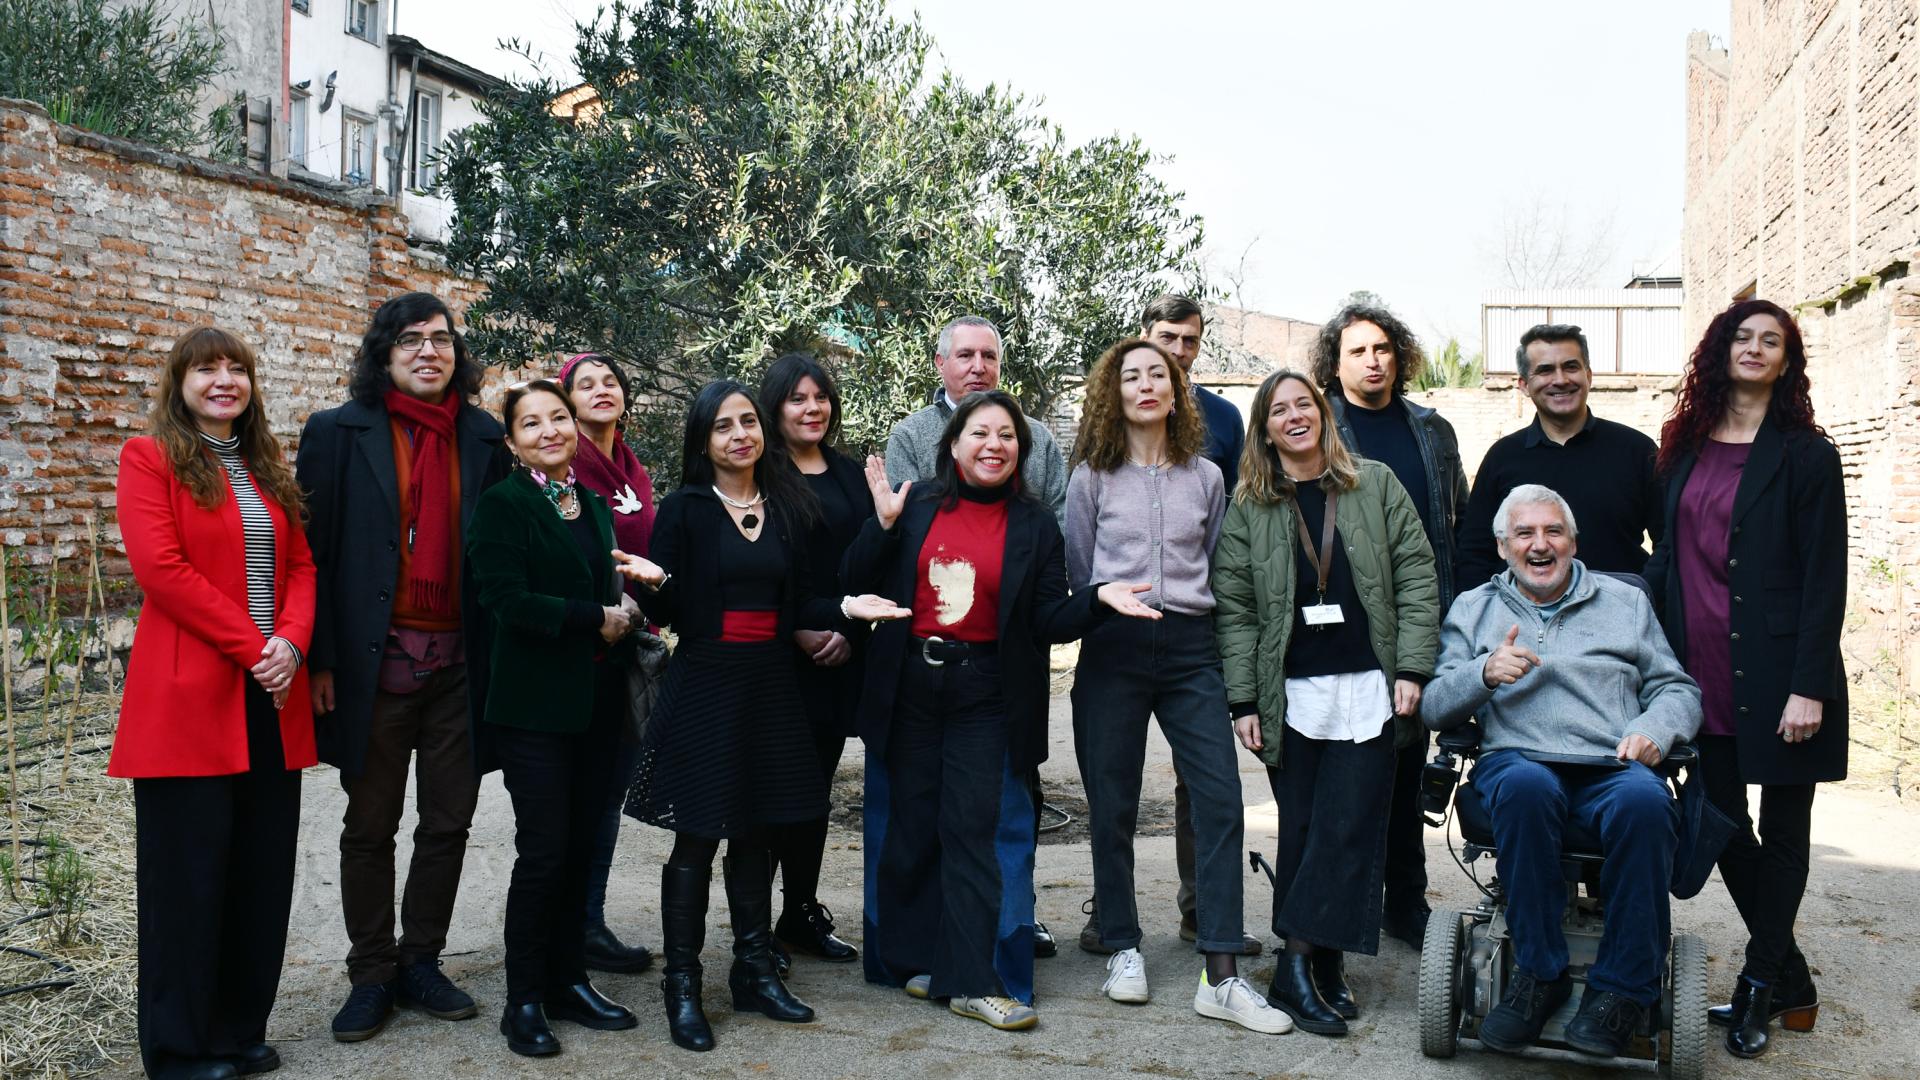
x,y
540,547
1325,645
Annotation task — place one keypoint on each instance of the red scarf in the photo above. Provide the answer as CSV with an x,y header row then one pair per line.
x,y
430,532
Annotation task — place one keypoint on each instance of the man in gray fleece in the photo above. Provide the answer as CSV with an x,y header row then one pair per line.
x,y
967,357
1578,695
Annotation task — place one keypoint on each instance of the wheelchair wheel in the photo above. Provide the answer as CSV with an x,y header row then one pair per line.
x,y
1683,1051
1440,984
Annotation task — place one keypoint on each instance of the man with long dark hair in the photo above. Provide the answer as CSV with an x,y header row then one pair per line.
x,y
1364,359
392,477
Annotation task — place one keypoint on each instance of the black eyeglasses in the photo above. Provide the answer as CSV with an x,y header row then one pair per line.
x,y
412,340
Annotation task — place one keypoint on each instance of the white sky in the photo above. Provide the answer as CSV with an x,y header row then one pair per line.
x,y
1366,144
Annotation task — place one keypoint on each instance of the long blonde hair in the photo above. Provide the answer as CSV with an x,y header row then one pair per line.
x,y
1102,442
1262,480
172,426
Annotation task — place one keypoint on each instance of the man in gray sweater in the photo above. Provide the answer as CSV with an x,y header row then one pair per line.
x,y
967,356
1578,696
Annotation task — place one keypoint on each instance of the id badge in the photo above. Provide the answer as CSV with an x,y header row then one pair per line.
x,y
1323,614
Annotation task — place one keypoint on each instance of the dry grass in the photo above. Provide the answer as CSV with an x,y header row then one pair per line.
x,y
75,1030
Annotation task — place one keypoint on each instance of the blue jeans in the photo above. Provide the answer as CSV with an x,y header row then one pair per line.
x,y
1632,812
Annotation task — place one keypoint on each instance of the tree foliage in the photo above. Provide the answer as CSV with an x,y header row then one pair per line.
x,y
762,175
129,70
1451,367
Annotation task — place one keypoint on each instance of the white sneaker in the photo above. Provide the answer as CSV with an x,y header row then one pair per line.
x,y
1240,1003
1000,1012
1127,978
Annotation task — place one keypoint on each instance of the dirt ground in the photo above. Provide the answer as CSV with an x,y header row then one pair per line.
x,y
1858,926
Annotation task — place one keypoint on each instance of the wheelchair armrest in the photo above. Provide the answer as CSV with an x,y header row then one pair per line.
x,y
1463,740
1683,756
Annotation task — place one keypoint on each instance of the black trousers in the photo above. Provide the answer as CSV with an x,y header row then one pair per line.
x,y
1766,875
558,784
214,885
1406,836
1333,797
940,875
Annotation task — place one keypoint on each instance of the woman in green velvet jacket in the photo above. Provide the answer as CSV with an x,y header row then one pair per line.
x,y
540,548
1325,646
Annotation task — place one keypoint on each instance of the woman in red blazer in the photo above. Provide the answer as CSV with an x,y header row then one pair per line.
x,y
215,724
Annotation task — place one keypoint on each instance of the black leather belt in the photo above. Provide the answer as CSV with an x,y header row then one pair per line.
x,y
936,651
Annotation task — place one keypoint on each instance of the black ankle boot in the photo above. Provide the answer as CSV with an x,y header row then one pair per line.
x,y
527,1030
1747,1033
1796,1002
1293,993
683,926
755,978
810,930
1330,978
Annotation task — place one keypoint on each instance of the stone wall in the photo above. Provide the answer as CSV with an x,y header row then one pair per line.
x,y
1801,166
109,251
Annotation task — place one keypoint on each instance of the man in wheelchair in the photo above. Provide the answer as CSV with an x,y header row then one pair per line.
x,y
1578,696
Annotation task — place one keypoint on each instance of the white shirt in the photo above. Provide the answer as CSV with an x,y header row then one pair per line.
x,y
1349,707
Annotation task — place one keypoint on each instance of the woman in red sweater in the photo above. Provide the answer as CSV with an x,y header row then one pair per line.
x,y
215,722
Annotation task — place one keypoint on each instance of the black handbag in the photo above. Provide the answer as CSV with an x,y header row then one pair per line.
x,y
648,663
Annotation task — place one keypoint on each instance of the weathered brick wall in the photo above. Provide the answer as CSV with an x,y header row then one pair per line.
x,y
1801,168
110,250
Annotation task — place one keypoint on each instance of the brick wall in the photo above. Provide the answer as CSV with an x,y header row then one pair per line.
x,y
1801,167
110,250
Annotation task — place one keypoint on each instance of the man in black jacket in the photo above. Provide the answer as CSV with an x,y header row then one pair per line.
x,y
1364,358
392,477
1605,470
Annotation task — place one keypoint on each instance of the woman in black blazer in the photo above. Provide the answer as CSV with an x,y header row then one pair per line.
x,y
955,704
539,549
1753,578
727,754
801,401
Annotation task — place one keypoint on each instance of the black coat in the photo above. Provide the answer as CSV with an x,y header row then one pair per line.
x,y
1787,576
345,465
1035,612
686,544
832,695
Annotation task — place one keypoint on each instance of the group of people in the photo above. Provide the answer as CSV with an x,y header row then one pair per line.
x,y
435,589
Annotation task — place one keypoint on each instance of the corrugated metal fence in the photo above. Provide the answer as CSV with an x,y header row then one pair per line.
x,y
1636,331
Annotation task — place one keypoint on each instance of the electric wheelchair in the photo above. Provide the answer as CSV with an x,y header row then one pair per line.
x,y
1467,956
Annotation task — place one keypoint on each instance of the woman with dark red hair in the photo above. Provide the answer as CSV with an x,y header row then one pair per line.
x,y
1753,574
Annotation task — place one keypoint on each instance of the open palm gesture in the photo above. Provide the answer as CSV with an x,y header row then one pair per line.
x,y
887,503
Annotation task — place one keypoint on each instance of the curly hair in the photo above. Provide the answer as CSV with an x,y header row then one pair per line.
x,y
1103,421
371,378
173,428
1707,386
1408,357
1262,480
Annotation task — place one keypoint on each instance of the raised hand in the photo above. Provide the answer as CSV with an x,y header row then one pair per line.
x,y
1120,596
870,608
1506,664
636,568
887,503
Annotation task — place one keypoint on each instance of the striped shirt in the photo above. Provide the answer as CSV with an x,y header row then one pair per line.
x,y
257,525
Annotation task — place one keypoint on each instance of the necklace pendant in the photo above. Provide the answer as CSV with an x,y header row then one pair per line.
x,y
750,522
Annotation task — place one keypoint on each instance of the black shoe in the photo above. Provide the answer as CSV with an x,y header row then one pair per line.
x,y
1408,926
365,1012
422,986
1293,993
258,1058
810,930
197,1070
683,930
604,951
1747,1034
1190,931
686,1019
527,1030
582,1004
1796,1004
755,979
1044,947
1090,933
1605,1023
1330,978
1516,1023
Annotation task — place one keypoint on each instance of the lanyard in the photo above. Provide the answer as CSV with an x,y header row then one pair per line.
x,y
1322,562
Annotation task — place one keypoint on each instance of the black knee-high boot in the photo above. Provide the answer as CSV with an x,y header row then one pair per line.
x,y
683,925
755,980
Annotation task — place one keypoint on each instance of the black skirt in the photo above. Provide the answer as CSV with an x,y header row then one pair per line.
x,y
728,748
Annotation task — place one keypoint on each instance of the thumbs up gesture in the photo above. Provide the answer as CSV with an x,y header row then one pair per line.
x,y
1508,663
